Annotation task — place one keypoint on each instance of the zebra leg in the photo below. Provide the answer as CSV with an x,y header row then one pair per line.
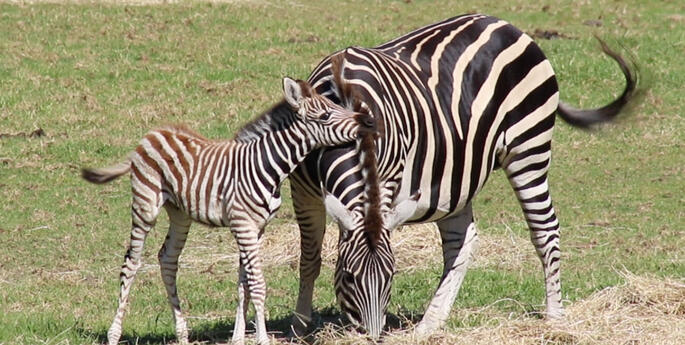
x,y
257,287
311,218
143,217
532,190
459,241
249,241
179,224
243,303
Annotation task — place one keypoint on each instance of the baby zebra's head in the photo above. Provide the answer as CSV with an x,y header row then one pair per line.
x,y
327,123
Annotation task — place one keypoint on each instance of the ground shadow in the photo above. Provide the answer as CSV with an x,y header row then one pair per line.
x,y
221,331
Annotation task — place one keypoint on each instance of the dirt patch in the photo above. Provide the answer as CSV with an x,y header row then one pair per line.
x,y
37,133
548,34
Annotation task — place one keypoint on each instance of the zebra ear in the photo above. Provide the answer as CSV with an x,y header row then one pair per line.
x,y
339,212
292,91
401,212
362,107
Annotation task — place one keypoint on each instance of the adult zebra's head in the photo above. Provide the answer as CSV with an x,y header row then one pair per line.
x,y
327,123
366,264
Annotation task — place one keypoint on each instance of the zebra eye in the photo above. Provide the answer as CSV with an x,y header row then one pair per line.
x,y
347,277
325,116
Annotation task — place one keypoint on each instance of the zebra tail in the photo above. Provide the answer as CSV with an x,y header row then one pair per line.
x,y
104,175
585,118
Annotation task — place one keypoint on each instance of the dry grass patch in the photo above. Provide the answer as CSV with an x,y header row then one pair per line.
x,y
213,248
415,247
419,247
643,310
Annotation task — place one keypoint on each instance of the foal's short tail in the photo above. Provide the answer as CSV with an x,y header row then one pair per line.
x,y
104,175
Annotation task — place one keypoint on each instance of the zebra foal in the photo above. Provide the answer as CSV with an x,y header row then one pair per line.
x,y
231,183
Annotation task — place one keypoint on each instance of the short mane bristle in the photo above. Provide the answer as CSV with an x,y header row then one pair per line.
x,y
373,222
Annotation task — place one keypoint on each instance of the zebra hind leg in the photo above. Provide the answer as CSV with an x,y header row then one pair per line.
x,y
179,224
144,215
532,190
459,241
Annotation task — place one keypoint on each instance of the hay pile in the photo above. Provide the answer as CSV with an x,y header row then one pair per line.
x,y
418,247
415,247
281,246
641,311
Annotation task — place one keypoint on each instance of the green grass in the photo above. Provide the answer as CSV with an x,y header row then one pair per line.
x,y
95,78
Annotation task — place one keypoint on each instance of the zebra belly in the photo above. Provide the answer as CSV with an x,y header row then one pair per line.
x,y
446,181
210,213
446,207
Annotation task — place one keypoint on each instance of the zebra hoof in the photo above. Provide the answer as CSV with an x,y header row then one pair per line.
x,y
113,336
181,333
297,333
424,329
300,327
555,314
264,341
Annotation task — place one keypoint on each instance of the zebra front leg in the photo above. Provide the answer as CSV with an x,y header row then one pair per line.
x,y
249,242
243,303
179,224
459,240
258,296
142,223
311,218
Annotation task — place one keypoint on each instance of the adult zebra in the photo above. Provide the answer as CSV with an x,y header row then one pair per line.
x,y
233,183
454,100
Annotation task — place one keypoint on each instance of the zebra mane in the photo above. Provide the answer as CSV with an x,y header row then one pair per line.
x,y
350,97
373,221
278,118
346,92
182,128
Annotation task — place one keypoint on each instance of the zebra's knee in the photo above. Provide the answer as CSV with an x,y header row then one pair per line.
x,y
161,253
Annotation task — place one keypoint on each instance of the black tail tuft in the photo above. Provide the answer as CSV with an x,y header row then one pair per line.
x,y
583,118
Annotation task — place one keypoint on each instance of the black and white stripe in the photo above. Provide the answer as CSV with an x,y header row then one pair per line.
x,y
231,183
454,101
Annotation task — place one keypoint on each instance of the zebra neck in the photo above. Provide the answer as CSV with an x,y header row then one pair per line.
x,y
272,145
272,157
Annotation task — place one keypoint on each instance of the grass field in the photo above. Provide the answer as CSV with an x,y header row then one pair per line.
x,y
81,83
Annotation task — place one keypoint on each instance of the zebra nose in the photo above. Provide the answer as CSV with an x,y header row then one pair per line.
x,y
367,121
